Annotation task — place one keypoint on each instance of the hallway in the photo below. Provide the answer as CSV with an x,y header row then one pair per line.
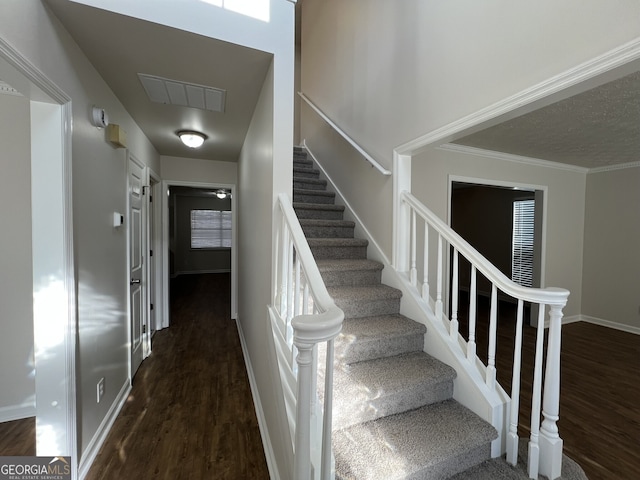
x,y
190,414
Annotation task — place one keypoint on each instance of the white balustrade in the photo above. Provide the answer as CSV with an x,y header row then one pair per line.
x,y
545,444
303,315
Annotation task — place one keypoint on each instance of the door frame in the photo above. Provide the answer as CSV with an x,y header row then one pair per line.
x,y
54,278
154,263
166,184
541,244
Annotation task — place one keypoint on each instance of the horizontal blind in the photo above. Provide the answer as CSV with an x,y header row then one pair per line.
x,y
210,228
522,242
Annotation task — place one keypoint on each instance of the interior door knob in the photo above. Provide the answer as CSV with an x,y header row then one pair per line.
x,y
135,281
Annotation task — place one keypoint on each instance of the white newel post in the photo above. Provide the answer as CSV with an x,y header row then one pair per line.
x,y
550,441
401,183
302,454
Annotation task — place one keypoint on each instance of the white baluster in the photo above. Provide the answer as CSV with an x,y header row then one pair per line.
x,y
471,344
302,459
550,441
328,414
512,436
425,273
453,326
284,261
534,446
439,281
305,299
297,306
414,270
289,293
491,354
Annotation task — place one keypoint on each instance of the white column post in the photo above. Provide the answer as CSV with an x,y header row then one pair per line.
x,y
302,445
550,441
401,183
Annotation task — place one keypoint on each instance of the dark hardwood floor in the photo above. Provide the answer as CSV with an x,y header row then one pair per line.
x,y
190,414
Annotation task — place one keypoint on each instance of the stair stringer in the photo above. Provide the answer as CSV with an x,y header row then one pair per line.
x,y
469,388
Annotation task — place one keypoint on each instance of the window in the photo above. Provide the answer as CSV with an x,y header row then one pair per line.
x,y
522,242
210,229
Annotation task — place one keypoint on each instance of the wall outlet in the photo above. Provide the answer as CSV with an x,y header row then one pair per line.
x,y
100,389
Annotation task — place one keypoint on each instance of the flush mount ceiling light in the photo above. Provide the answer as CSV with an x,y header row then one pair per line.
x,y
192,139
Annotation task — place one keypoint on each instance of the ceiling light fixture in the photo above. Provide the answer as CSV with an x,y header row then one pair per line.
x,y
221,194
192,139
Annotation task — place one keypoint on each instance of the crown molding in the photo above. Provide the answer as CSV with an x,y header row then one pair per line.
x,y
508,157
609,168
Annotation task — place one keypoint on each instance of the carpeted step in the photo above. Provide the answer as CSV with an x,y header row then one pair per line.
x,y
349,272
303,195
366,391
431,442
323,248
366,301
327,228
369,338
309,183
323,210
306,172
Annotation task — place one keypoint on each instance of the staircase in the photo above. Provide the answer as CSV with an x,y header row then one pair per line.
x,y
394,415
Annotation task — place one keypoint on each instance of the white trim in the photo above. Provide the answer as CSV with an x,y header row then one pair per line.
x,y
525,100
609,168
17,412
378,252
508,157
94,446
166,184
608,323
272,464
374,163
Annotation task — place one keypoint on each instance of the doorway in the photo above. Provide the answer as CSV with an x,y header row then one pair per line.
x,y
505,223
49,236
183,256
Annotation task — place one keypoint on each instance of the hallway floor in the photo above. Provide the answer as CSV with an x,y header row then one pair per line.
x,y
190,414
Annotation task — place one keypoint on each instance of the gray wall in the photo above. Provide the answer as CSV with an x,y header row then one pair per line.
x,y
186,259
17,396
611,238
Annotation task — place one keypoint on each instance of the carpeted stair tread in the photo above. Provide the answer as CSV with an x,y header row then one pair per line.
x,y
309,183
431,442
309,172
306,195
368,338
350,271
372,389
366,301
331,265
321,222
323,210
337,242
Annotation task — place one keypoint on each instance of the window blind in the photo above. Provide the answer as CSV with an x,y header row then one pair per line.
x,y
522,242
210,229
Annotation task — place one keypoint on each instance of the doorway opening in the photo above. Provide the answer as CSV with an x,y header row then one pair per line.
x,y
199,234
505,223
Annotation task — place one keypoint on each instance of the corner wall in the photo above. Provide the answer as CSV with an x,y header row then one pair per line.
x,y
611,258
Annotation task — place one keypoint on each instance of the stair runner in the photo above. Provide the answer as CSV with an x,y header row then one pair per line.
x,y
394,415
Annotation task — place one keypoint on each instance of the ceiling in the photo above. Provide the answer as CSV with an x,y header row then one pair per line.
x,y
597,128
120,47
594,129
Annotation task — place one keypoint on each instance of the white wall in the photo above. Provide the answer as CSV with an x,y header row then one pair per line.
x,y
99,189
194,170
564,206
389,72
611,239
255,218
17,397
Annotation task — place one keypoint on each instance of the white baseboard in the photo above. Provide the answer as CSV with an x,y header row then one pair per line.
x,y
608,323
17,412
89,455
272,465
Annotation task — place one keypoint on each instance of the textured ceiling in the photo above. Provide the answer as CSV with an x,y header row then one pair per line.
x,y
594,129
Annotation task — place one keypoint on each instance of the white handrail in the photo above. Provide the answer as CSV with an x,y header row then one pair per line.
x,y
304,315
545,444
352,142
548,296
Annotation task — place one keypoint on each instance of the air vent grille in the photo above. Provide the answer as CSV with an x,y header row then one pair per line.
x,y
175,92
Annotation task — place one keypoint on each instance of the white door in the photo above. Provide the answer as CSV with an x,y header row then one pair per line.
x,y
136,263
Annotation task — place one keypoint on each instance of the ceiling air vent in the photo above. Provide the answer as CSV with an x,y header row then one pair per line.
x,y
174,92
